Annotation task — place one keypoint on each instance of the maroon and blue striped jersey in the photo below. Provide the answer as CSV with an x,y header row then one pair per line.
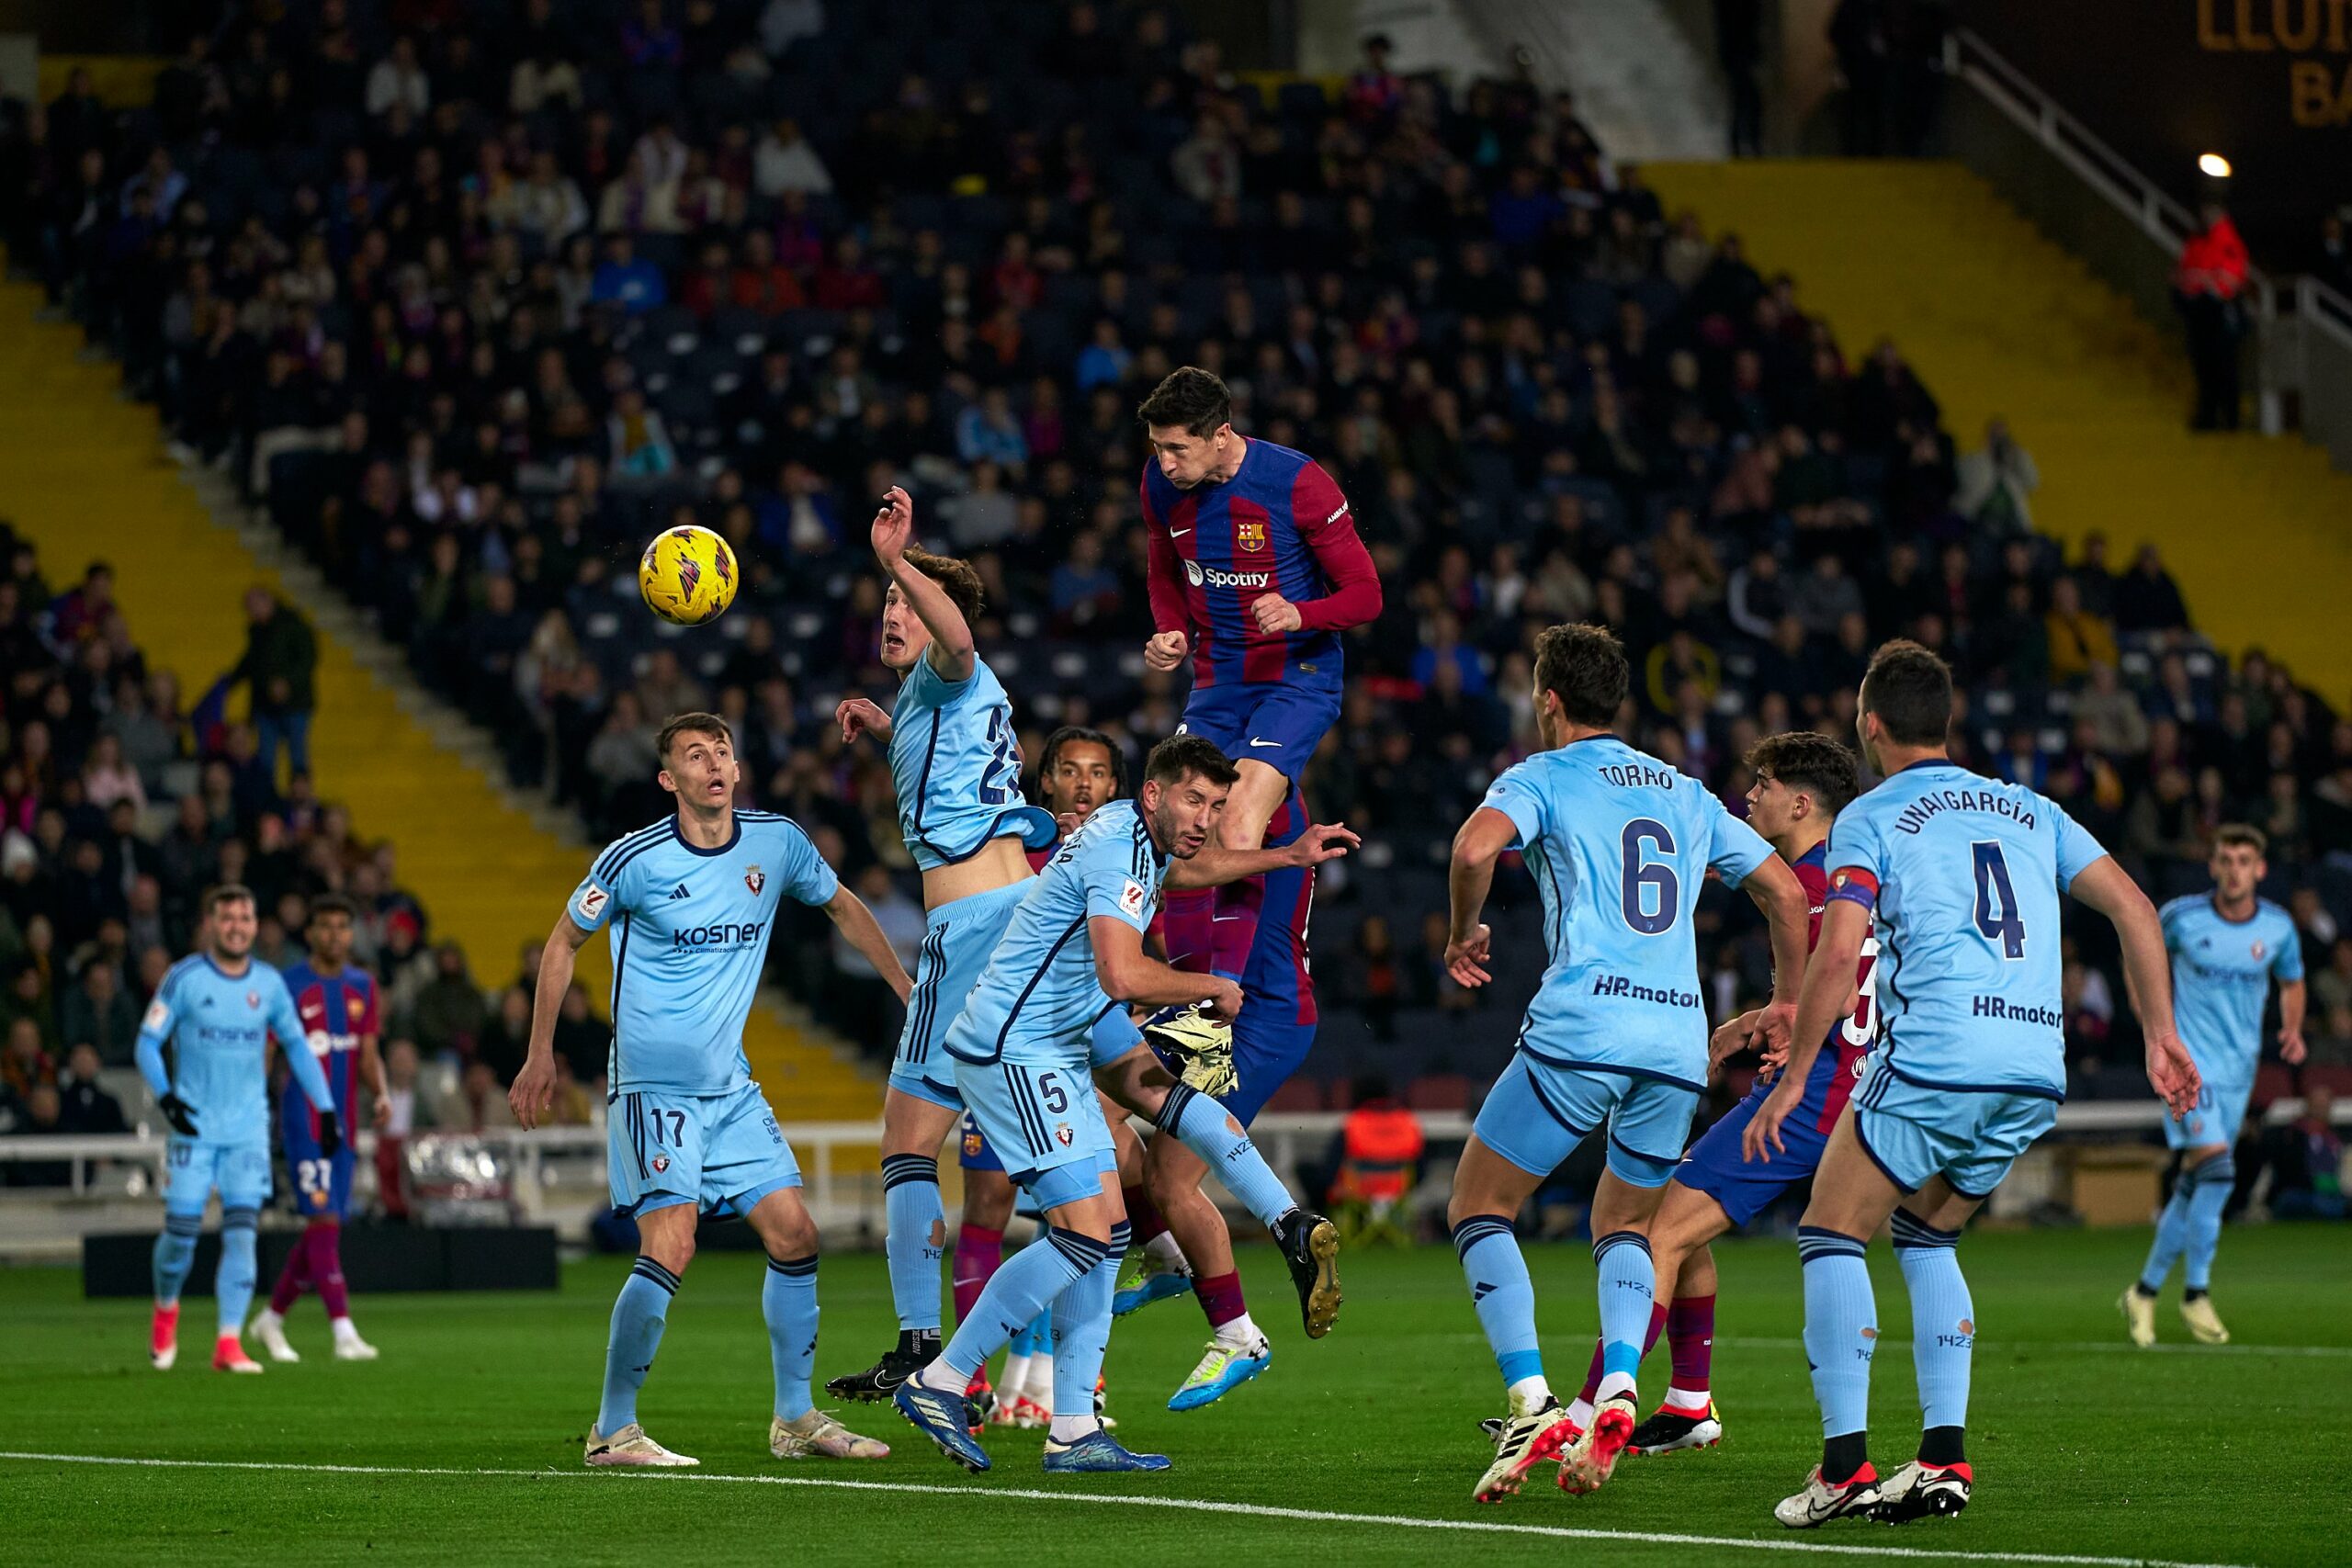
x,y
336,1010
1279,525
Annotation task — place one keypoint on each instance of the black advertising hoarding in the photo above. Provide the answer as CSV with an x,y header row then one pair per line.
x,y
2268,84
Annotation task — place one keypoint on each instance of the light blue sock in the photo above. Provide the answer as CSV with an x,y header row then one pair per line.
x,y
1210,1131
916,1237
788,1302
232,1286
2172,1238
638,1318
1943,1319
1628,1291
175,1253
1840,1328
1036,1336
1025,1285
1082,1329
1503,1292
2215,1179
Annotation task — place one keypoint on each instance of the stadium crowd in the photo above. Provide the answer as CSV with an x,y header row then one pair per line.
x,y
579,270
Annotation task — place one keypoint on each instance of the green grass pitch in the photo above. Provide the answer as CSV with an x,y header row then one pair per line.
x,y
2082,1446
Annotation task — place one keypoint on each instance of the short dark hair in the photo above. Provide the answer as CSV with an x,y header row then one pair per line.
x,y
956,578
334,904
1909,689
226,893
1584,666
690,724
1181,756
1080,735
1189,396
2231,834
1808,761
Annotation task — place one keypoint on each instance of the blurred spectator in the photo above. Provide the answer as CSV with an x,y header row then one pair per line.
x,y
447,1016
82,1105
2206,284
98,1014
1995,481
280,664
2304,1160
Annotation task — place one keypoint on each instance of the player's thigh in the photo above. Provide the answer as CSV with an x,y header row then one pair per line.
x,y
745,1156
1036,1117
1257,792
666,1234
988,1199
1534,1117
1852,1193
782,1221
1488,1182
1648,1128
242,1173
1687,1220
914,1123
187,1175
1939,1205
1737,1188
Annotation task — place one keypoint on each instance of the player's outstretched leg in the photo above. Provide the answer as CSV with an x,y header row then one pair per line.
x,y
2214,1180
1840,1335
174,1254
1077,1443
1536,1428
1628,1317
233,1288
640,1315
1310,1243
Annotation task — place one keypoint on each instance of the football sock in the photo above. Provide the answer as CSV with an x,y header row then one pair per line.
x,y
1028,1282
2172,1237
1220,1297
1691,1341
2215,1178
978,1250
1211,1131
233,1285
788,1302
326,1268
1943,1446
174,1254
1241,1333
1169,1254
294,1279
1591,1389
1502,1293
1840,1334
1233,931
1943,1321
917,1221
1081,1334
1628,1292
1017,1373
639,1314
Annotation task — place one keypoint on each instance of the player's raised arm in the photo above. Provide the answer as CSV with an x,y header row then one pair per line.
x,y
1470,875
1212,866
534,1086
1128,975
2147,976
950,653
856,922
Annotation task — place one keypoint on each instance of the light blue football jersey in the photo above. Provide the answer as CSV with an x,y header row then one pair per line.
x,y
689,932
1963,873
204,1039
1619,844
957,765
2222,970
1037,1000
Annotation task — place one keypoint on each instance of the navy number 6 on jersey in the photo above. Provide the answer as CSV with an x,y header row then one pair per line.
x,y
1651,893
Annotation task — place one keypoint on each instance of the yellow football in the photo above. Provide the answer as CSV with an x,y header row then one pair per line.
x,y
687,576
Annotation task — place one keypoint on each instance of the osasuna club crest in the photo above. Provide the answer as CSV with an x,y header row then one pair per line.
x,y
754,879
660,1164
1062,1135
253,999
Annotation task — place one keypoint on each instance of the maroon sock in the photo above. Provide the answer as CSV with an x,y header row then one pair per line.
x,y
978,1250
1235,931
294,1278
1143,1216
1221,1298
1592,1373
1691,1334
1185,917
326,1264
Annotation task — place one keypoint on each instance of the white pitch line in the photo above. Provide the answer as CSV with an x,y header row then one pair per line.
x,y
1181,1504
1995,1346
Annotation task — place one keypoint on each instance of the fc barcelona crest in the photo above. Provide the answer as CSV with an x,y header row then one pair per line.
x,y
1249,535
754,879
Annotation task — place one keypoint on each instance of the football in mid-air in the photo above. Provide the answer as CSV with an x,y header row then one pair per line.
x,y
687,576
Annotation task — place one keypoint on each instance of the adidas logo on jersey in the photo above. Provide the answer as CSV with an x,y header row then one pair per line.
x,y
681,892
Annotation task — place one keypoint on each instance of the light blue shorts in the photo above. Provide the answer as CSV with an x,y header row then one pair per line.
x,y
1537,1114
1114,1036
2219,1113
958,939
1045,1123
722,1153
1917,1132
193,1169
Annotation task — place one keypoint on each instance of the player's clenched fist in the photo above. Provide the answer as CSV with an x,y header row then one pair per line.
x,y
1167,650
1224,1002
1275,614
858,717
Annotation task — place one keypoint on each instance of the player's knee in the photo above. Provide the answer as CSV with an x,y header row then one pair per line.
x,y
673,1251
